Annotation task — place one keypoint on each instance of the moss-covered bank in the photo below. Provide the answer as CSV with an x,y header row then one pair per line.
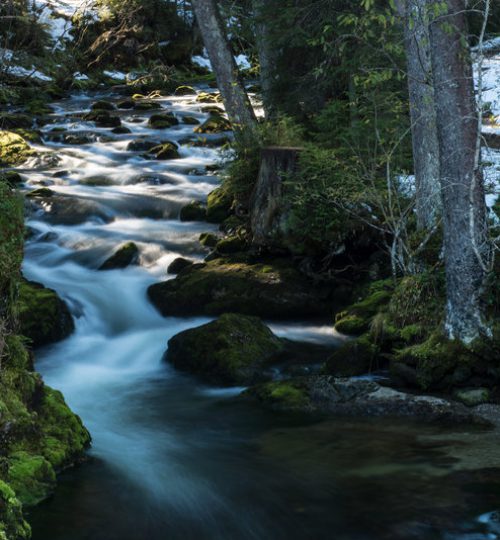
x,y
39,435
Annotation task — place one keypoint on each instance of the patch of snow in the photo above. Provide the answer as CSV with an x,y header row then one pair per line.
x,y
202,61
243,62
116,75
80,76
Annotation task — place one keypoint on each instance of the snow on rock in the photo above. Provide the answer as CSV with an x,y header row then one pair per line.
x,y
8,65
116,75
203,61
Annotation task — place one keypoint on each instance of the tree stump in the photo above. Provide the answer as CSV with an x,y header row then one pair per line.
x,y
267,205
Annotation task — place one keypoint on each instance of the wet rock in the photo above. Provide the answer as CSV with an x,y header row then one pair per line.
x,y
40,192
102,105
190,120
215,124
208,240
62,210
193,211
231,350
211,109
126,104
164,151
12,178
360,398
219,204
206,97
14,150
124,256
102,119
210,142
273,291
185,91
44,317
147,106
121,130
232,244
163,121
142,145
178,265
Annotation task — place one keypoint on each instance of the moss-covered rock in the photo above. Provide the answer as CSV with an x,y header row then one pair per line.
x,y
102,105
208,240
163,121
193,211
266,290
32,477
40,192
185,91
43,316
231,350
178,265
124,256
215,124
12,523
356,357
121,130
190,120
126,104
14,150
145,105
164,151
207,97
473,396
219,204
290,395
103,119
232,244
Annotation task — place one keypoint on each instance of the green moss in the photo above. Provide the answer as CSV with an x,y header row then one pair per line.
x,y
232,244
208,240
163,121
219,204
206,97
31,477
44,317
215,124
352,325
12,524
193,211
283,395
14,150
40,192
355,357
185,91
230,350
165,151
124,256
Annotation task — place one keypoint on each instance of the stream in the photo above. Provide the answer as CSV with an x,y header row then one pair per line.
x,y
172,458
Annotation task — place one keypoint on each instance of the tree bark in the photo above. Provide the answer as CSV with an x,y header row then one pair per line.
x,y
236,101
267,56
465,230
422,110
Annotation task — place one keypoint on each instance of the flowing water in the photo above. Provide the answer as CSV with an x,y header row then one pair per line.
x,y
171,458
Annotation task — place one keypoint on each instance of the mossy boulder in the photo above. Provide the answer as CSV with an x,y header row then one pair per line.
x,y
147,106
32,477
163,121
353,358
121,130
124,256
126,104
193,211
164,151
44,317
142,145
233,350
232,244
190,120
185,91
12,523
14,150
102,105
219,204
102,119
473,396
208,240
207,97
178,265
273,290
44,192
214,124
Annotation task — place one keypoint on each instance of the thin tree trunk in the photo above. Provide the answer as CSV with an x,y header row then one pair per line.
x,y
236,101
267,56
465,230
422,111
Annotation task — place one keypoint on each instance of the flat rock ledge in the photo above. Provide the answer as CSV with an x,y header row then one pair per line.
x,y
365,398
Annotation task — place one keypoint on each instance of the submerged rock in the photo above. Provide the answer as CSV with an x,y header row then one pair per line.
x,y
233,350
360,398
274,291
124,256
44,318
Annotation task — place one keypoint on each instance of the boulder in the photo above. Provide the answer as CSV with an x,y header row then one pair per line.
x,y
126,104
64,210
102,105
273,291
178,265
163,121
207,97
121,130
147,106
124,256
164,151
190,120
102,119
356,357
14,150
233,350
219,204
44,317
193,211
216,123
185,91
208,240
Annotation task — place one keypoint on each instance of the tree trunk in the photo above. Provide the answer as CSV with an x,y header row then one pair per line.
x,y
267,205
465,230
267,56
238,106
422,111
